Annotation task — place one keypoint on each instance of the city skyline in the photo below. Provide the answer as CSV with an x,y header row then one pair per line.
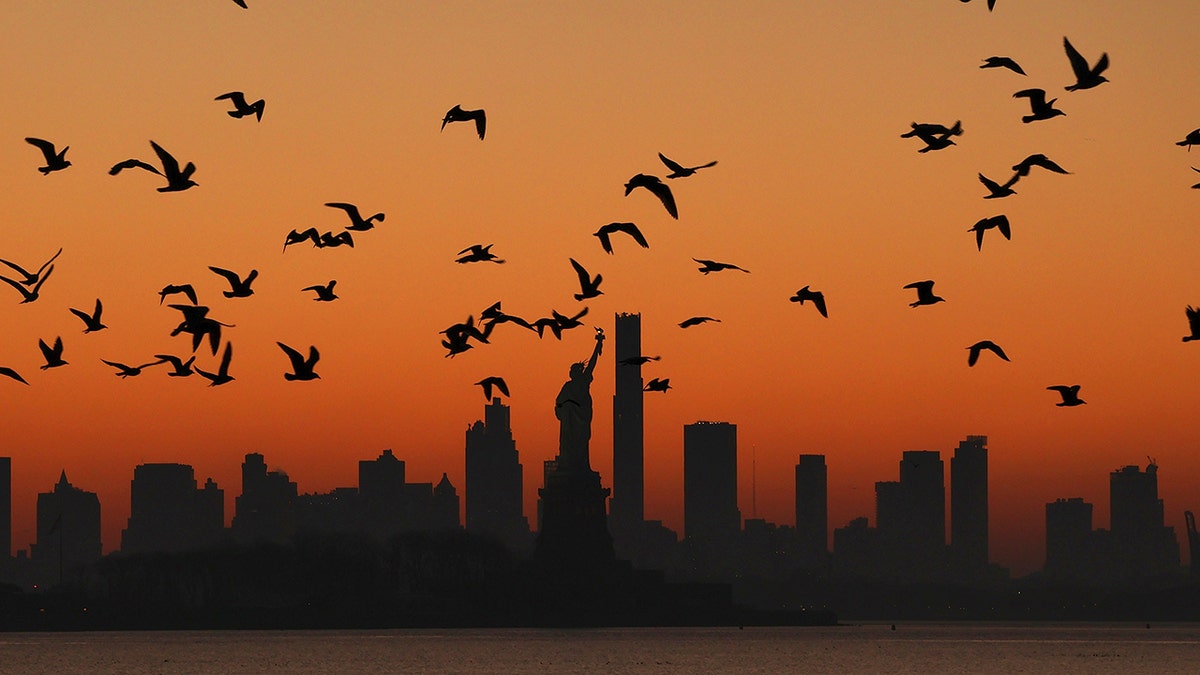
x,y
802,105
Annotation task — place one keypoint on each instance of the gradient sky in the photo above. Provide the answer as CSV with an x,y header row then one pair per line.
x,y
801,103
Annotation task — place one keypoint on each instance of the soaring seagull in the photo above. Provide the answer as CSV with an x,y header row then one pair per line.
x,y
457,114
177,180
1086,76
1070,395
999,222
680,171
817,298
241,108
658,188
925,294
978,347
605,232
56,160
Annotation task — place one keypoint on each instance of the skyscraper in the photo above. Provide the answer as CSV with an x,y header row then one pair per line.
x,y
812,507
68,529
169,513
494,485
5,508
911,517
1070,544
627,506
710,511
969,506
1143,547
266,509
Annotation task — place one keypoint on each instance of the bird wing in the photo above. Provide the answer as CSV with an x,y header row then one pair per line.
x,y
24,292
132,164
1001,222
229,275
995,349
1102,64
9,372
170,164
921,286
47,263
500,384
296,357
236,97
585,279
226,358
84,316
16,267
1046,163
990,184
973,354
663,192
1037,97
605,242
46,147
350,209
1078,64
480,123
672,165
633,231
818,299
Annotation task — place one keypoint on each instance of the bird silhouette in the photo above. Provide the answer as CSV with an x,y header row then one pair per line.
x,y
296,236
171,289
658,385
589,286
925,294
975,349
324,292
1193,317
494,315
678,171
29,294
995,190
1002,62
557,323
222,375
457,114
241,108
1070,395
1086,76
238,287
52,355
9,372
31,278
56,160
478,253
90,321
657,188
197,323
1024,166
302,368
357,222
935,136
817,298
1193,138
696,321
331,240
638,360
180,368
1040,108
489,382
124,371
177,180
709,266
632,230
459,334
999,222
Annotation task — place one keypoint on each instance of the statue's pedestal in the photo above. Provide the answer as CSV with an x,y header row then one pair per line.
x,y
574,537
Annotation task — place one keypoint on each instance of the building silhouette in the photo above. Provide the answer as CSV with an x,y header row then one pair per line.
x,y
1071,555
710,510
68,530
812,509
910,515
1143,547
169,513
5,507
627,506
389,505
494,480
266,509
969,508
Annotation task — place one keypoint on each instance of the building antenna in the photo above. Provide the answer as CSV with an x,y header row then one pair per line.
x,y
754,480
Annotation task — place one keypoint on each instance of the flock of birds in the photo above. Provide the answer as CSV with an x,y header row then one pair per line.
x,y
459,337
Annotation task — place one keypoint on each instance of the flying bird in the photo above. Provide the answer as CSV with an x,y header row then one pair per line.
x,y
1086,76
296,236
1040,108
1193,317
1024,166
222,375
56,160
30,294
324,292
657,188
457,114
999,222
302,368
678,171
241,108
124,371
557,323
90,321
589,286
197,322
696,321
9,372
658,385
478,253
494,315
923,129
1193,138
638,360
817,298
1002,62
995,190
52,355
1070,395
238,287
171,289
489,382
357,222
632,230
177,180
180,368
925,294
331,240
709,266
31,278
978,347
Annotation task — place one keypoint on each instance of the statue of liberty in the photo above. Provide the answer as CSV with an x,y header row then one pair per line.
x,y
573,408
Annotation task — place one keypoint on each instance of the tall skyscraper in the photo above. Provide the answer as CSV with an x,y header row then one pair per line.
x,y
68,530
1143,546
5,508
969,506
710,511
494,486
1070,544
911,517
812,507
169,513
266,509
627,506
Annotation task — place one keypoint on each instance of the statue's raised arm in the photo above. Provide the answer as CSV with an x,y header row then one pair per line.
x,y
591,365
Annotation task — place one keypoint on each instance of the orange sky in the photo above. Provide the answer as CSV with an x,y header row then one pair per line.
x,y
801,103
